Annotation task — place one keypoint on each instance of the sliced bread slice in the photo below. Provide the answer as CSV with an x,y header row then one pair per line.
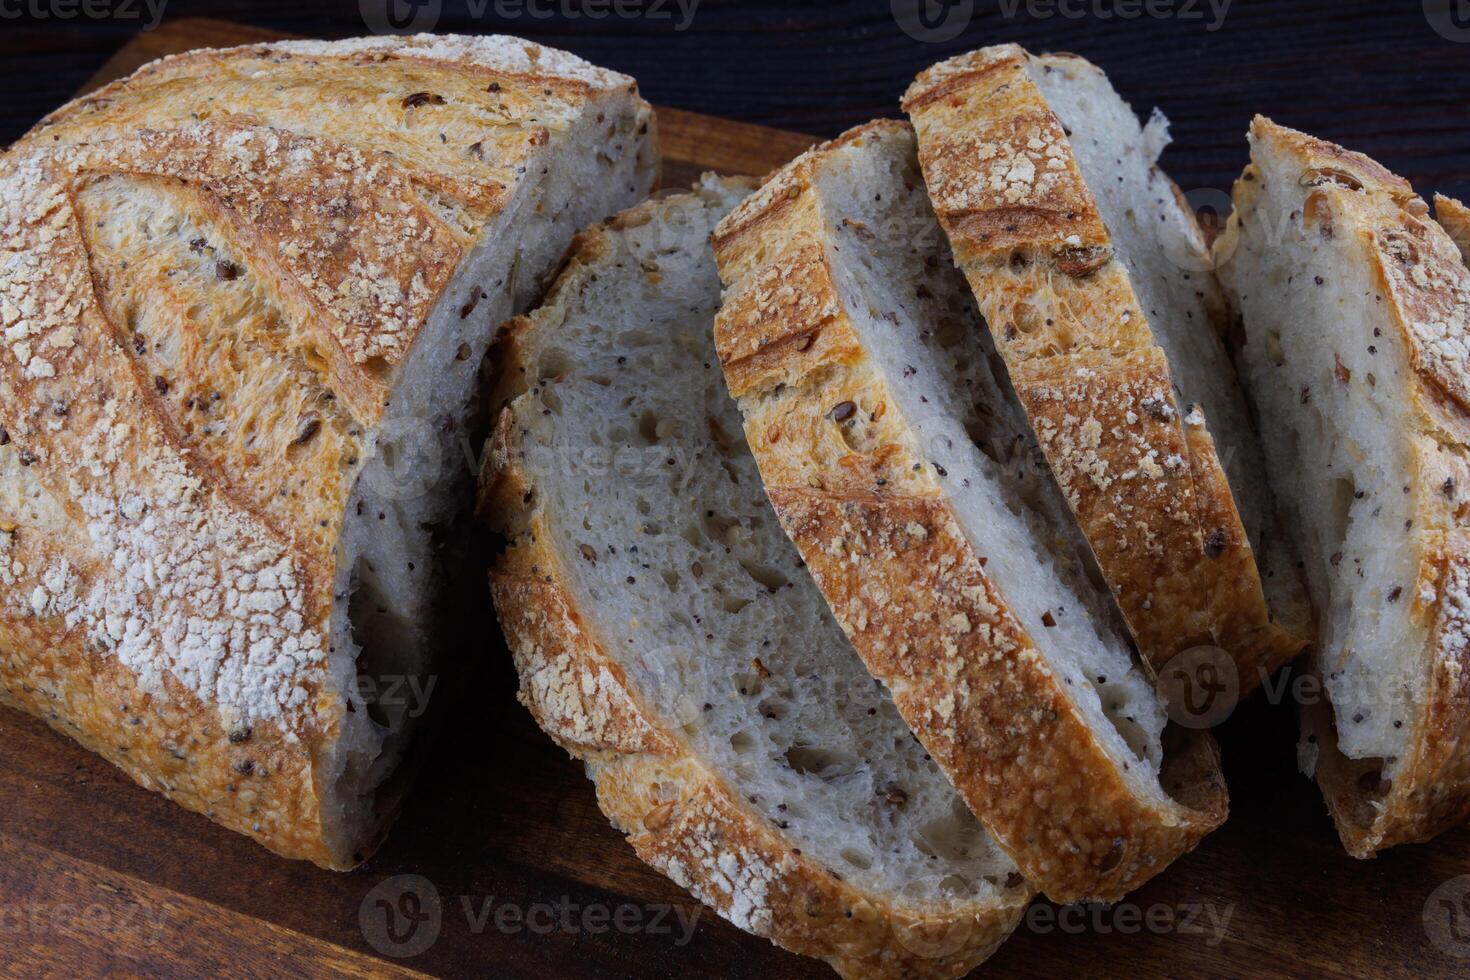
x,y
1095,279
667,635
899,462
1356,312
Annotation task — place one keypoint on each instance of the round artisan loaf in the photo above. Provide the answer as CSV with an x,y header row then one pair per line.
x,y
246,295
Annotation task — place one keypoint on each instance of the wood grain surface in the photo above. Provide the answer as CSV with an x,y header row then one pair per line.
x,y
98,876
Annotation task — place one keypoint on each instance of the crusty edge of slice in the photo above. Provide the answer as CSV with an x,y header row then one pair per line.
x,y
913,596
707,839
1454,218
1426,284
1192,578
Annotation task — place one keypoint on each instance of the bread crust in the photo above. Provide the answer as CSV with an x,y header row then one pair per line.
x,y
912,595
1140,473
111,440
1424,284
166,588
1454,218
680,814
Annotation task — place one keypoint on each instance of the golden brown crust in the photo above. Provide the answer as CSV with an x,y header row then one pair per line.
x,y
346,235
873,526
215,270
1454,218
1147,487
578,695
680,814
390,94
758,348
1425,286
256,780
172,744
129,614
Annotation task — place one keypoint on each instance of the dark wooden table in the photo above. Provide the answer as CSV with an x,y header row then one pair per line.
x,y
99,876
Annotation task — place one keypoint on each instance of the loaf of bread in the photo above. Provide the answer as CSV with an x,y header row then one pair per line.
x,y
1356,327
899,461
667,635
1095,280
245,299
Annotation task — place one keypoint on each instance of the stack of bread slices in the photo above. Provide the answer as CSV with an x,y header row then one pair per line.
x,y
988,375
854,517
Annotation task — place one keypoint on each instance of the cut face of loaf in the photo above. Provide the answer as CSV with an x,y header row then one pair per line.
x,y
247,294
1095,281
666,633
898,461
1356,312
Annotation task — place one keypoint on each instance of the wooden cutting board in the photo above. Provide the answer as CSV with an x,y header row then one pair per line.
x,y
97,875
